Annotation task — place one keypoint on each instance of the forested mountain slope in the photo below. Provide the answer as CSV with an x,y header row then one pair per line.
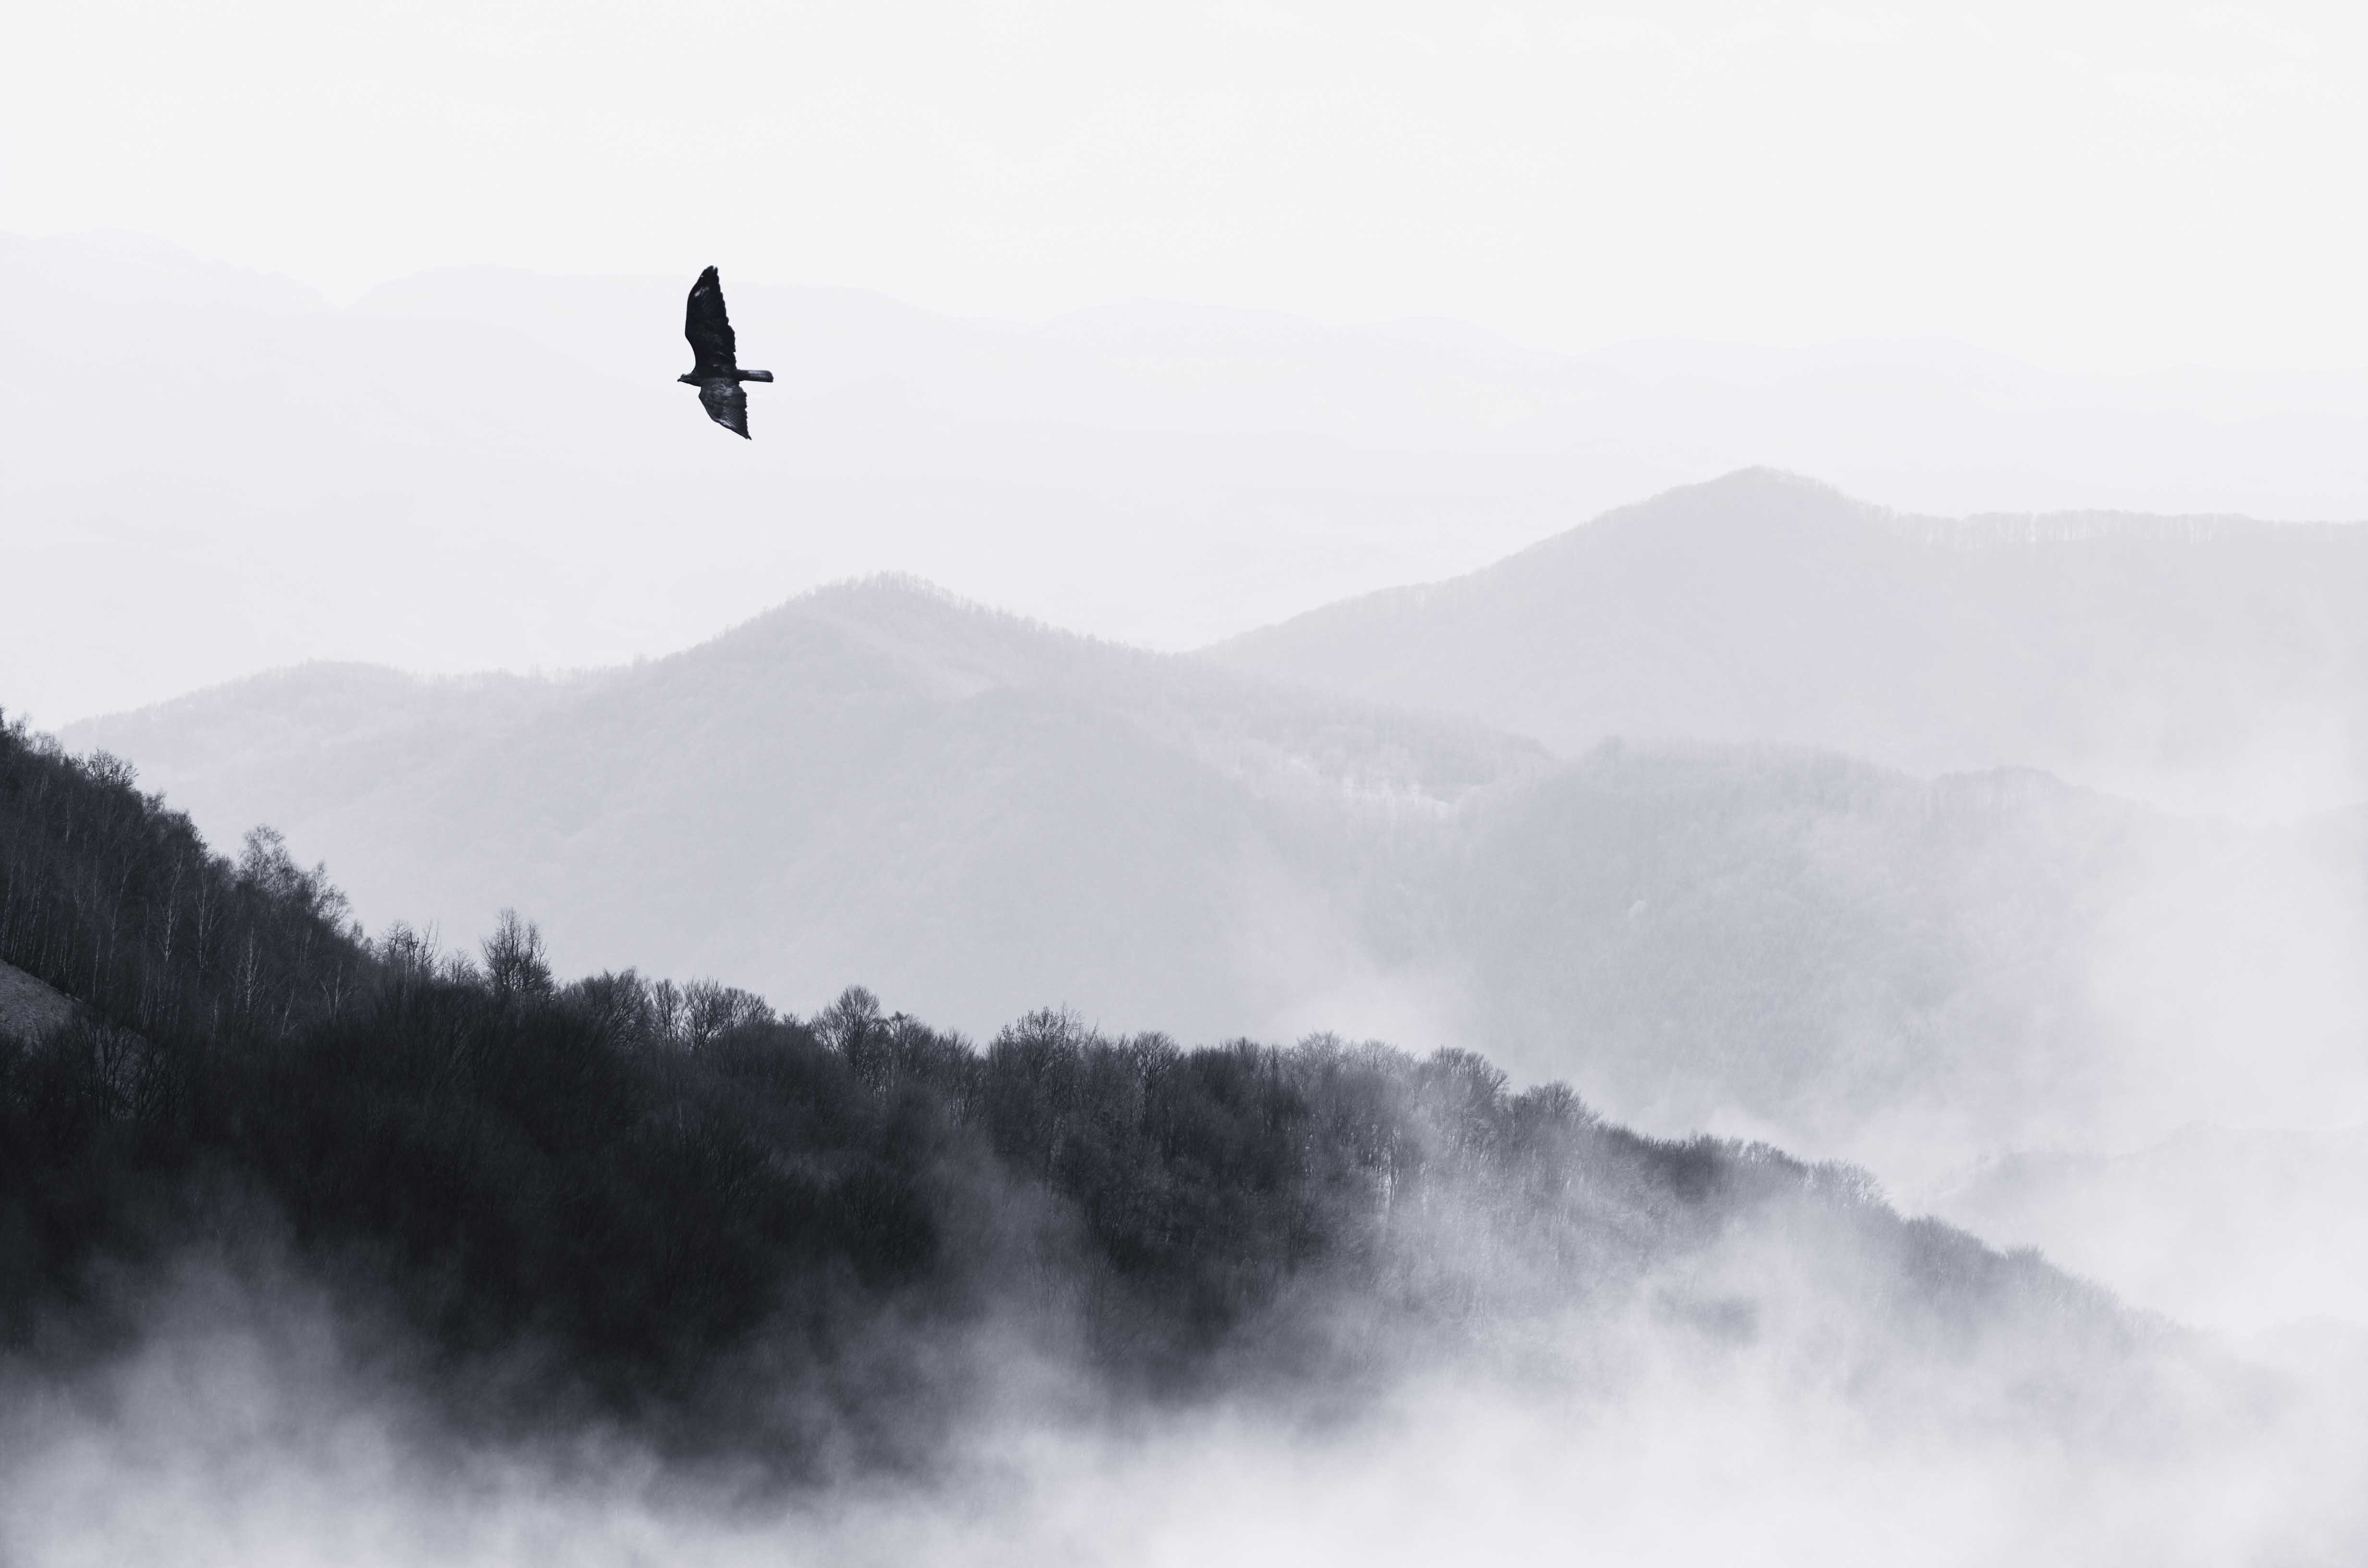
x,y
353,1244
978,817
2209,661
692,1208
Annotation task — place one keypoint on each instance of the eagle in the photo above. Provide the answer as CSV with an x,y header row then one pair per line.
x,y
715,369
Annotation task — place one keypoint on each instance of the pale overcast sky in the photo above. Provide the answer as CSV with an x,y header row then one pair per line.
x,y
2088,185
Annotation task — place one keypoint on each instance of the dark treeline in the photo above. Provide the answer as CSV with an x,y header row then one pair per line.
x,y
672,1209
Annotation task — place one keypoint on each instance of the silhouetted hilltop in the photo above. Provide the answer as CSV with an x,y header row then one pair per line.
x,y
2208,659
732,1232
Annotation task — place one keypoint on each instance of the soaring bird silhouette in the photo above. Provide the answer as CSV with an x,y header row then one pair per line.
x,y
715,370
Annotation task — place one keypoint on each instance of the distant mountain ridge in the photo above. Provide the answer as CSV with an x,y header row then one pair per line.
x,y
2206,661
281,479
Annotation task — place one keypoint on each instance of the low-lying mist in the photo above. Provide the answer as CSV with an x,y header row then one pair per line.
x,y
318,1247
254,1423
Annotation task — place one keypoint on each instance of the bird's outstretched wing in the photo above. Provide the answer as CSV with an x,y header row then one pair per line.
x,y
727,405
710,329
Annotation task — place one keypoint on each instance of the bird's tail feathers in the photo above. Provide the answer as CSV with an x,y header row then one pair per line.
x,y
755,375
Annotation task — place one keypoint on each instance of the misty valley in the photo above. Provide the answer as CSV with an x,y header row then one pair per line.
x,y
1758,1029
1231,784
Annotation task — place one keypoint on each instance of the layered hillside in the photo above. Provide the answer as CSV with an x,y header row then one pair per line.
x,y
976,816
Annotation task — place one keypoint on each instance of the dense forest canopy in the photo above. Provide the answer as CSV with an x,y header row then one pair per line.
x,y
671,1207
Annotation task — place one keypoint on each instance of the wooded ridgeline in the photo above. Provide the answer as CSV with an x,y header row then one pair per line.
x,y
672,1207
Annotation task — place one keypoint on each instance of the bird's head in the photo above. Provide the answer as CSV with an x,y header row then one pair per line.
x,y
688,380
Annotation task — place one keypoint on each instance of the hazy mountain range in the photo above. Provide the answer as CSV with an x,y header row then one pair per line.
x,y
976,815
213,471
2213,661
2019,859
1699,802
